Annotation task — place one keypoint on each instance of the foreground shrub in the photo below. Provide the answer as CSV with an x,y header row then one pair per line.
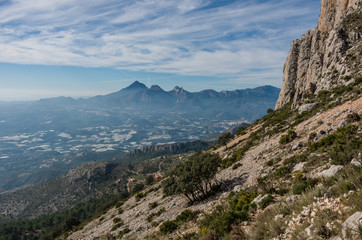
x,y
168,227
289,137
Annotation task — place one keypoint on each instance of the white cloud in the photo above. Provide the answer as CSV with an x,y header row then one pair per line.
x,y
184,37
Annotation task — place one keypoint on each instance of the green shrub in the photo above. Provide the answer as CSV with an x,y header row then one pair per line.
x,y
344,186
168,227
300,187
237,165
266,201
194,178
342,145
115,227
289,137
117,220
123,232
156,214
190,236
282,171
152,205
223,217
270,163
186,216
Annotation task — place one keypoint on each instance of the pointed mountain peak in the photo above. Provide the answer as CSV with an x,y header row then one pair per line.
x,y
178,90
156,88
136,85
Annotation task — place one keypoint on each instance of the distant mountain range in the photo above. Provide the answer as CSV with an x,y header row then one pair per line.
x,y
249,104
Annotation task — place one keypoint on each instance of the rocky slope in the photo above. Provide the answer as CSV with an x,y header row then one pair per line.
x,y
294,174
325,57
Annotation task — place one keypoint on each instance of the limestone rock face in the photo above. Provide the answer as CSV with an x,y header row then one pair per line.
x,y
331,13
320,59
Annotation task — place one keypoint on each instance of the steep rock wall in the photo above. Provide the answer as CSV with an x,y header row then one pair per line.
x,y
319,60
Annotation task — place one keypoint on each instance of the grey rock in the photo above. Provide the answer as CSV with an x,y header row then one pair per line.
x,y
351,224
355,162
259,198
299,167
292,199
308,230
333,170
238,188
343,123
306,107
297,146
335,238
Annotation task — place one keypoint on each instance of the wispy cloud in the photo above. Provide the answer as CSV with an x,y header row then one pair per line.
x,y
188,37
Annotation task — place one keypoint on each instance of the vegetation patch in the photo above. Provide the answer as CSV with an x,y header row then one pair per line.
x,y
289,137
341,146
220,221
194,178
155,214
168,227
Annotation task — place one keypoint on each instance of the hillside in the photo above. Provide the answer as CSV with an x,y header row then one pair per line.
x,y
293,174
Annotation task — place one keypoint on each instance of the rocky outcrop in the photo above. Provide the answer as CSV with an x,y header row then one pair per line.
x,y
320,60
332,12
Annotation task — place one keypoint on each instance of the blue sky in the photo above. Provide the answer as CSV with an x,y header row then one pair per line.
x,y
83,48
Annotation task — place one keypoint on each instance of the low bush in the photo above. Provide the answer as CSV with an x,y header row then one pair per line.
x,y
115,227
186,216
220,220
302,186
117,220
156,214
152,205
123,232
289,137
168,227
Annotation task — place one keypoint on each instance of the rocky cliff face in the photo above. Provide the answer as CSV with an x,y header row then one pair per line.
x,y
321,59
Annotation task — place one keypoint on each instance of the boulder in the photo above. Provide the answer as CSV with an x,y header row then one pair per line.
x,y
333,170
297,146
306,107
299,167
355,162
343,123
350,226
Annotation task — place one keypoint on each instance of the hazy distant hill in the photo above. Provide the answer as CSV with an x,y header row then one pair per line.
x,y
249,103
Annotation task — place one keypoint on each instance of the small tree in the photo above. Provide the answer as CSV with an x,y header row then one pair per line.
x,y
269,111
194,178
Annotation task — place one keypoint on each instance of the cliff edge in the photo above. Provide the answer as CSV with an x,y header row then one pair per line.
x,y
322,58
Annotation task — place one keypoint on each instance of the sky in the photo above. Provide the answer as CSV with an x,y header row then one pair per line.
x,y
83,48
